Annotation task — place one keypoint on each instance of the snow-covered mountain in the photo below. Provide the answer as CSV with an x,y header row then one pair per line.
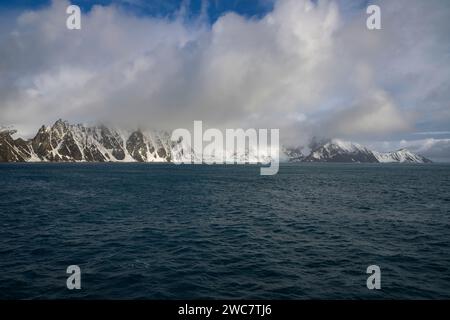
x,y
293,154
401,156
336,150
79,143
66,142
13,150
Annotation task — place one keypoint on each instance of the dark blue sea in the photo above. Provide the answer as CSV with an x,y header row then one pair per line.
x,y
160,231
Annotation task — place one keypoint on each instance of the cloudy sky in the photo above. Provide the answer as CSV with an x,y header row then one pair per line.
x,y
309,68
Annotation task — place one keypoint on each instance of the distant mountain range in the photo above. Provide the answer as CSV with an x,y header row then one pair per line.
x,y
64,142
336,150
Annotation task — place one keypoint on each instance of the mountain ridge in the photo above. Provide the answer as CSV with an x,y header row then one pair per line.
x,y
336,150
65,142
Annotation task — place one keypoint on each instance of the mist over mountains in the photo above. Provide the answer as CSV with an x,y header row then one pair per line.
x,y
309,68
65,142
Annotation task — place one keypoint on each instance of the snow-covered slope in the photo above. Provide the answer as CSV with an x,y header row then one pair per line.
x,y
13,150
400,156
292,154
337,150
66,142
79,143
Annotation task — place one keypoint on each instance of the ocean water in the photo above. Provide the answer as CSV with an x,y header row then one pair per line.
x,y
160,231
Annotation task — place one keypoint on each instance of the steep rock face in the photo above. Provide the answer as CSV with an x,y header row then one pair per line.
x,y
56,143
41,143
111,140
66,142
137,146
69,149
13,150
149,146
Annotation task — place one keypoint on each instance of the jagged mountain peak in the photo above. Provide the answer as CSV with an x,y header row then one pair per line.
x,y
402,155
99,143
337,150
346,145
61,123
78,142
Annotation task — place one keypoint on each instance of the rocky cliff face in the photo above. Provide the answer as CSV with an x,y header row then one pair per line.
x,y
77,143
66,142
13,150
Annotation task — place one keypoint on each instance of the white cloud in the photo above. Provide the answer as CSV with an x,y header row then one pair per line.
x,y
375,115
302,68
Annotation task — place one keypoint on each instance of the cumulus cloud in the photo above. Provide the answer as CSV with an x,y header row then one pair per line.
x,y
309,68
